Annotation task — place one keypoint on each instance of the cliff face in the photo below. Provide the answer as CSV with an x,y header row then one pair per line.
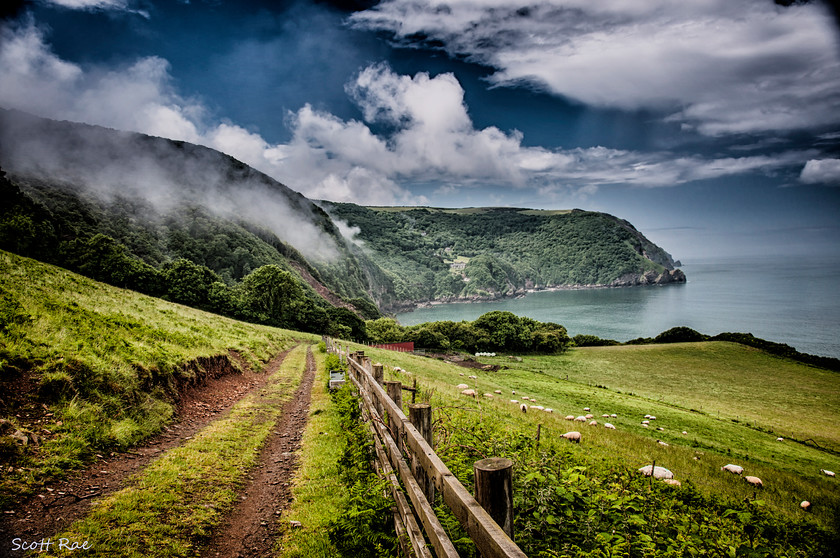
x,y
650,278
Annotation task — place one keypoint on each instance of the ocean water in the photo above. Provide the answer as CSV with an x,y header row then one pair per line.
x,y
793,300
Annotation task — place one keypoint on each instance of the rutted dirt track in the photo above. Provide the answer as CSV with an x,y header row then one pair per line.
x,y
252,527
61,503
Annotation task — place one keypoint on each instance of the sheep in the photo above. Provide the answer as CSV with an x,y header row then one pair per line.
x,y
608,425
735,469
647,416
461,386
605,416
498,392
548,410
461,374
658,472
661,443
473,377
523,407
684,432
672,482
586,409
593,423
827,472
468,392
755,481
513,392
645,422
572,436
613,415
488,395
590,416
805,505
580,419
660,428
514,401
645,425
780,439
570,417
652,417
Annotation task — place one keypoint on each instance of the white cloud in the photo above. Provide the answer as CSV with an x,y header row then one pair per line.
x,y
432,139
114,5
720,67
821,171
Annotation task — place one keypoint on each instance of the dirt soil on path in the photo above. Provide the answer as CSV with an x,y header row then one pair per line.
x,y
62,502
254,525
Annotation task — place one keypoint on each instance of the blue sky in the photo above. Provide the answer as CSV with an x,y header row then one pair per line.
x,y
713,126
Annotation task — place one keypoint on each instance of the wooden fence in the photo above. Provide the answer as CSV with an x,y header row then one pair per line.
x,y
404,452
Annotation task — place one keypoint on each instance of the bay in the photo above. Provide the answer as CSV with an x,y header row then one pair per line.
x,y
793,300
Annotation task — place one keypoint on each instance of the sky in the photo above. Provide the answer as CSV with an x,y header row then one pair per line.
x,y
712,126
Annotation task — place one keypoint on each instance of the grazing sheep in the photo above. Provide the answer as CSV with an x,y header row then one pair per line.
x,y
645,425
513,392
645,422
488,395
608,425
573,436
580,419
684,432
647,416
514,401
498,392
805,505
586,409
570,417
473,377
593,423
661,443
613,415
468,392
755,481
652,417
548,410
735,469
827,472
660,428
461,374
605,416
590,416
537,407
658,472
523,407
780,439
672,482
462,386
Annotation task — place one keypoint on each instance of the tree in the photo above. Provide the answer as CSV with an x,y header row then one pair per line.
x,y
272,295
189,283
384,330
504,331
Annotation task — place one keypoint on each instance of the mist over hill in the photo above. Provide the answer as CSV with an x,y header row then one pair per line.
x,y
76,188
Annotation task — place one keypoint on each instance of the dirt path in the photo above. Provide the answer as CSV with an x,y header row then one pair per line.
x,y
63,502
253,526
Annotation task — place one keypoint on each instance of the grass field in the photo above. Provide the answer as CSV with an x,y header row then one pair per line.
x,y
96,367
667,381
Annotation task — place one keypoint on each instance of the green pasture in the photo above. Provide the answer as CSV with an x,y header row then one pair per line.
x,y
678,380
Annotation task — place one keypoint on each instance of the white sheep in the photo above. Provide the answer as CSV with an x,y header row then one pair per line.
x,y
645,422
580,419
652,417
461,386
498,392
488,395
468,392
755,481
473,377
573,436
661,443
548,410
586,409
684,432
570,417
827,472
613,415
537,407
590,416
647,416
593,423
805,505
735,469
608,425
514,401
658,472
605,416
523,407
672,482
780,439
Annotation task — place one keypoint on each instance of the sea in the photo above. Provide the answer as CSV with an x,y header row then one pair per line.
x,y
793,300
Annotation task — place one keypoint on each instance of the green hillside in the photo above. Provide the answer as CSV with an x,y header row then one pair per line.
x,y
447,254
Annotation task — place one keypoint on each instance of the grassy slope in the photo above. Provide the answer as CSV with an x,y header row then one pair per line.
x,y
789,470
112,352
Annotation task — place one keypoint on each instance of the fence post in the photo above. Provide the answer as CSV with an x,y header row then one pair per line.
x,y
378,373
420,415
494,490
394,390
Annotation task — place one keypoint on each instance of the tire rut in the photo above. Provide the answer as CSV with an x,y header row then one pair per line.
x,y
61,503
253,526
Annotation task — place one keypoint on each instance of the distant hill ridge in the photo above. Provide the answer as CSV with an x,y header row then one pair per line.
x,y
158,200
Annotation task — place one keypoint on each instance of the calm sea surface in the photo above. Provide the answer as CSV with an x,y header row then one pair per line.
x,y
787,300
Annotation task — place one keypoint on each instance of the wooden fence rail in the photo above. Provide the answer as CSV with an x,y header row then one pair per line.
x,y
406,450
